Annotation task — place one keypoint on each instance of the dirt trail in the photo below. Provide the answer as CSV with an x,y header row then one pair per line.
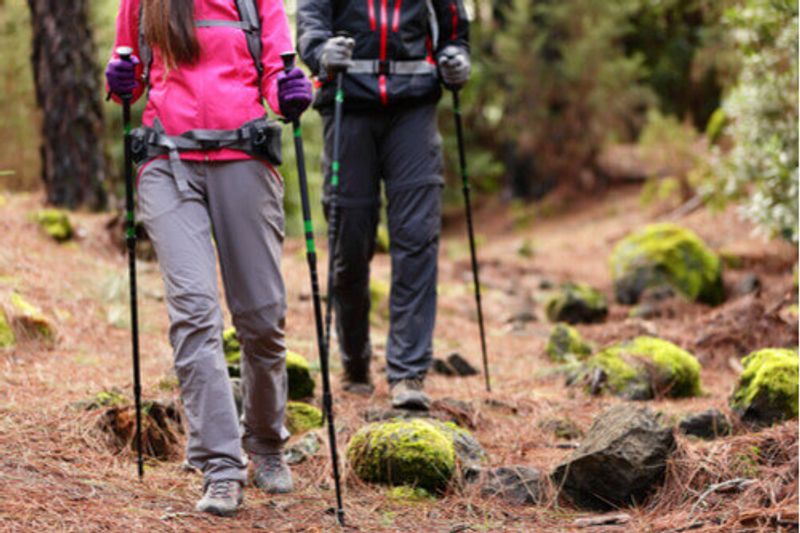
x,y
56,474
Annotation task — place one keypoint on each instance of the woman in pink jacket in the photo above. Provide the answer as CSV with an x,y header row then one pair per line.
x,y
207,159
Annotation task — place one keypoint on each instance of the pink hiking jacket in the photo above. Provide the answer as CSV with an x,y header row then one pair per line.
x,y
220,91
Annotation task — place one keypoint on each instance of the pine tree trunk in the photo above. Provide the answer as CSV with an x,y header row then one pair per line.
x,y
68,93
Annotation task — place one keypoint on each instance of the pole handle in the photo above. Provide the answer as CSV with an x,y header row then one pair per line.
x,y
288,61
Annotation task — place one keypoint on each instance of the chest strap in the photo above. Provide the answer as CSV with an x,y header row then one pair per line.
x,y
260,138
403,68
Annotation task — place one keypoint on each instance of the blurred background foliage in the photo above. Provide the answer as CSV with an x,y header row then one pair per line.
x,y
712,83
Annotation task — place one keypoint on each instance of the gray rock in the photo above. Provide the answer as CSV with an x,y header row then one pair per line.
x,y
461,366
236,385
518,485
706,425
748,285
307,446
440,366
621,459
562,428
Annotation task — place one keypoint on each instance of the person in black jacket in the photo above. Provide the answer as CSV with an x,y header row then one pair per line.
x,y
395,53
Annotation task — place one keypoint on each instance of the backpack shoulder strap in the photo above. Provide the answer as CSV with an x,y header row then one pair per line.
x,y
248,14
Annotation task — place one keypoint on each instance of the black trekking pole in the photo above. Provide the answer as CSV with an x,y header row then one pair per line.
x,y
125,53
468,206
333,218
311,255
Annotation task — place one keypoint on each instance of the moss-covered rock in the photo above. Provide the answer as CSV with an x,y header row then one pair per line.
x,y
382,240
647,367
301,382
106,398
576,303
405,494
7,337
403,452
29,321
302,417
666,254
231,346
55,223
379,300
767,389
565,340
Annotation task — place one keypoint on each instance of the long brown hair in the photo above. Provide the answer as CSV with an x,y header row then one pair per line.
x,y
169,26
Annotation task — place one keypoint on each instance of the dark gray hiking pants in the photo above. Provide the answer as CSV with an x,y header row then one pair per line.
x,y
241,202
402,147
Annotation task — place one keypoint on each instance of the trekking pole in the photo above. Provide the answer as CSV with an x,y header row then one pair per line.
x,y
311,255
468,206
333,221
125,53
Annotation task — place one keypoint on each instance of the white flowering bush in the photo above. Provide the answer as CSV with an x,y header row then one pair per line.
x,y
762,165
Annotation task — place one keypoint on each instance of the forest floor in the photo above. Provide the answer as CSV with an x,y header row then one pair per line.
x,y
56,472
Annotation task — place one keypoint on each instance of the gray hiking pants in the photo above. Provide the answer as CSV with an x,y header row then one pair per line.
x,y
240,203
402,147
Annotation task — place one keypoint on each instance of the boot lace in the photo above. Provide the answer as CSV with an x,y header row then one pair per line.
x,y
221,489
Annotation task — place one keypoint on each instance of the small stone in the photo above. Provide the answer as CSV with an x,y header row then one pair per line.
x,y
608,520
749,284
576,303
562,428
236,386
620,461
518,485
461,366
706,425
440,366
305,447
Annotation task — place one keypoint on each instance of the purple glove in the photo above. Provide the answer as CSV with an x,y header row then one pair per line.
x,y
294,93
121,76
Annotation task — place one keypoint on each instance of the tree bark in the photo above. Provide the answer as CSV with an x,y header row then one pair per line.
x,y
68,93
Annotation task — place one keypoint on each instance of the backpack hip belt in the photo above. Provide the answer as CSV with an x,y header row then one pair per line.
x,y
407,68
260,138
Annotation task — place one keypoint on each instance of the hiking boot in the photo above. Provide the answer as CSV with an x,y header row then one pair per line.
x,y
358,387
221,498
271,473
409,394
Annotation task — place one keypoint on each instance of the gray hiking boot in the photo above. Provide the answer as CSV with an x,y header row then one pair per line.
x,y
271,473
409,394
221,498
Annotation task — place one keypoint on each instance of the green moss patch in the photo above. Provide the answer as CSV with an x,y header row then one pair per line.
x,y
301,382
576,303
647,367
55,223
767,389
7,337
666,254
302,417
404,494
103,399
379,300
565,340
403,452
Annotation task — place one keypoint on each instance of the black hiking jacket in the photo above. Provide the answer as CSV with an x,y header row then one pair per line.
x,y
384,30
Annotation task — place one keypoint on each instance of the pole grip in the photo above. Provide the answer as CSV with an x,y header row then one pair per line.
x,y
288,61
